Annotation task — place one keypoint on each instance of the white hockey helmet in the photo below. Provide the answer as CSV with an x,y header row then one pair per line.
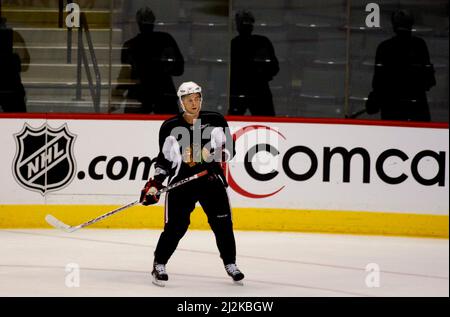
x,y
188,88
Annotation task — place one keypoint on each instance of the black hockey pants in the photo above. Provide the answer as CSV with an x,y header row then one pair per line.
x,y
179,204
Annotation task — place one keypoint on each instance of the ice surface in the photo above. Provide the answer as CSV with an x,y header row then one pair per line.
x,y
118,263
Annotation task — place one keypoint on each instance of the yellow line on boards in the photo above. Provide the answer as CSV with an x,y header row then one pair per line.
x,y
260,219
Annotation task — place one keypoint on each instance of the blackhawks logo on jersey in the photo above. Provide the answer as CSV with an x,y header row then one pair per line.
x,y
194,155
44,160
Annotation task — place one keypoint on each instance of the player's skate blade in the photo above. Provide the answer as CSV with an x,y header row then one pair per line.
x,y
235,274
239,283
157,282
159,274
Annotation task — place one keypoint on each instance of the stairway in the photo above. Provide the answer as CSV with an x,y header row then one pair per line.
x,y
50,81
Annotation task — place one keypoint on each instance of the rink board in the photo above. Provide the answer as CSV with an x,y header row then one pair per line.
x,y
324,221
303,175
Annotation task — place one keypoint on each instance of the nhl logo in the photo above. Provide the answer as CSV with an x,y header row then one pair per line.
x,y
44,159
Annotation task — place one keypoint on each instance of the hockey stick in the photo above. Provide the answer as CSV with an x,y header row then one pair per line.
x,y
61,225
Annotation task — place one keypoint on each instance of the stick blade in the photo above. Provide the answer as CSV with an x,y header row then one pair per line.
x,y
59,224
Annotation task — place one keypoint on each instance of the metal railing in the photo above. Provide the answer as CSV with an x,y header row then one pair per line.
x,y
69,30
82,59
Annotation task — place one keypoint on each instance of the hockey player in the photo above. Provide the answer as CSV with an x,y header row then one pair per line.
x,y
191,142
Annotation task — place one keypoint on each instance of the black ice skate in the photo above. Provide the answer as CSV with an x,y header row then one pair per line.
x,y
159,274
235,274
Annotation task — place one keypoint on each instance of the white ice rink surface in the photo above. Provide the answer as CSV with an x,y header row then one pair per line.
x,y
118,263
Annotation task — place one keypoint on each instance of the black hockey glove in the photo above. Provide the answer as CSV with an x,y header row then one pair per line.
x,y
149,194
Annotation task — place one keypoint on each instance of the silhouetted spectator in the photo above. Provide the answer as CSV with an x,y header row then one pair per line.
x,y
154,58
253,65
403,74
12,92
21,50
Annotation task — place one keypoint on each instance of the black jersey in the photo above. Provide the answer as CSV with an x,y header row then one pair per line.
x,y
193,140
